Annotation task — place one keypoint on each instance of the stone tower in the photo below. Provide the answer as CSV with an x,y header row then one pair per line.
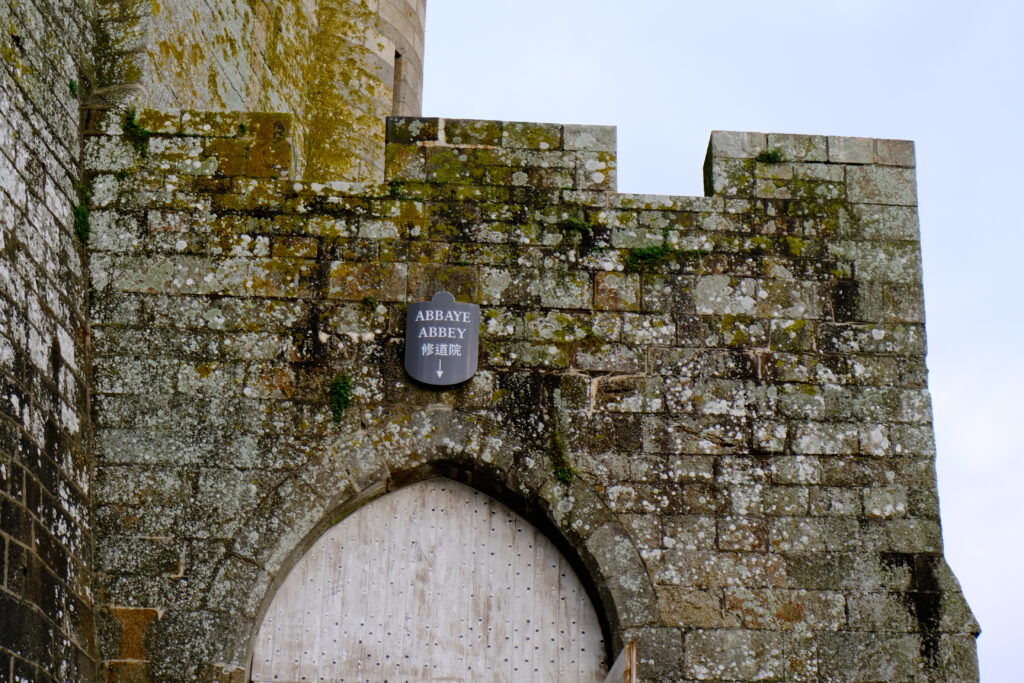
x,y
712,410
338,66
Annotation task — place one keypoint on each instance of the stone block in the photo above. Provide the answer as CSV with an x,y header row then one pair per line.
x,y
689,532
881,611
895,153
622,575
472,132
265,126
736,145
783,610
659,652
785,501
210,124
881,262
411,130
834,501
735,655
648,329
958,657
616,292
889,185
556,326
590,138
869,657
909,535
356,281
694,608
563,288
847,150
748,534
595,356
724,295
629,394
880,222
637,238
113,154
596,171
542,136
800,148
885,502
160,122
404,162
134,624
211,379
826,438
709,569
294,247
426,280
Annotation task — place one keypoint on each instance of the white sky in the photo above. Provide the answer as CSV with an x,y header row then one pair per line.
x,y
949,76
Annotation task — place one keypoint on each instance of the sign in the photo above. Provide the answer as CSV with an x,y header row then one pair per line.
x,y
441,340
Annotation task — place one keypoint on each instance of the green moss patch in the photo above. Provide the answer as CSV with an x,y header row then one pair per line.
x,y
134,134
340,395
770,156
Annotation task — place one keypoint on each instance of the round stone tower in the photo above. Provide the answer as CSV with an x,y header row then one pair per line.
x,y
338,66
367,63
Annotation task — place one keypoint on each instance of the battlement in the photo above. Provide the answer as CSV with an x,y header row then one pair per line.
x,y
538,155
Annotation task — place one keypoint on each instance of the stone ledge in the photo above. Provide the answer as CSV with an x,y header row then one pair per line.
x,y
407,130
834,149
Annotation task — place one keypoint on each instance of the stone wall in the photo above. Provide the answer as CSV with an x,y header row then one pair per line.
x,y
46,622
330,63
716,406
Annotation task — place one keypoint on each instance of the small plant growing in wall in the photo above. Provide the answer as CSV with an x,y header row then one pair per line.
x,y
578,224
340,395
369,304
644,258
563,470
73,87
80,213
134,134
770,156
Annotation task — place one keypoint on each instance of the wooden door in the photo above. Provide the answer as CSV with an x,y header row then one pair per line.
x,y
434,582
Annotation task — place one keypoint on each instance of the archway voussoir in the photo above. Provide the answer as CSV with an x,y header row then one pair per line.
x,y
574,507
624,583
659,652
238,588
358,457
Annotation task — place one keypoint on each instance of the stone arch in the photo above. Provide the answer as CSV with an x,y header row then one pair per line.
x,y
354,471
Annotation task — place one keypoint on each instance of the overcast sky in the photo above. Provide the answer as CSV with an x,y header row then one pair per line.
x,y
949,76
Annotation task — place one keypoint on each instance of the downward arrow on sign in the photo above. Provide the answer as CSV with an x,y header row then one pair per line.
x,y
440,372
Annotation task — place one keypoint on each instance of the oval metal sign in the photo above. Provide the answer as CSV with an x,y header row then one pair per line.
x,y
441,340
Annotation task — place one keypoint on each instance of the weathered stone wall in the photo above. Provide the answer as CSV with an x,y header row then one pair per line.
x,y
46,622
330,63
716,406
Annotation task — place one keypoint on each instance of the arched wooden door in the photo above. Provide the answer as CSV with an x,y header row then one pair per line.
x,y
434,582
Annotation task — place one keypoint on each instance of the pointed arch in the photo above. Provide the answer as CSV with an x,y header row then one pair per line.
x,y
344,475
